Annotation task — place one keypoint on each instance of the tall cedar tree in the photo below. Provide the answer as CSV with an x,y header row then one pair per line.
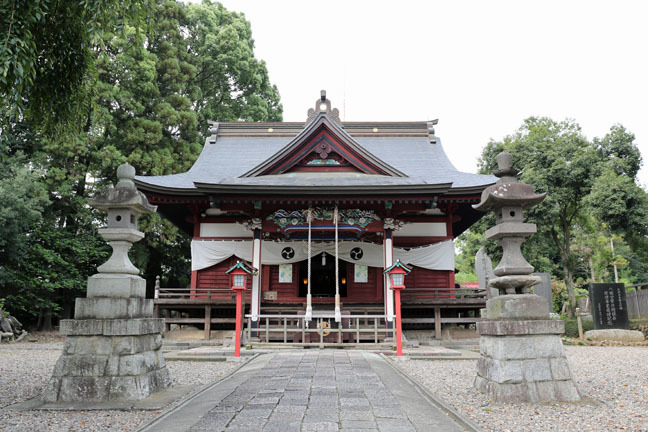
x,y
149,100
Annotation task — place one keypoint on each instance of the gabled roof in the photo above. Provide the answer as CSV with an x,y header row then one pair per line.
x,y
322,130
396,157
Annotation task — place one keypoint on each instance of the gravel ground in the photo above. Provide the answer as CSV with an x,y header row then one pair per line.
x,y
613,379
26,368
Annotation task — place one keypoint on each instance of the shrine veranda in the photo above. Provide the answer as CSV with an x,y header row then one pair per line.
x,y
288,199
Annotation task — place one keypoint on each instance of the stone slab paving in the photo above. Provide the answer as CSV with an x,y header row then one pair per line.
x,y
327,390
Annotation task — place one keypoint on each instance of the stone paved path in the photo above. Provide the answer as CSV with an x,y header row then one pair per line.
x,y
310,391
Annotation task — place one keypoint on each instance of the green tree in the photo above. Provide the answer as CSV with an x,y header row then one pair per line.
x,y
53,273
22,199
47,53
146,99
580,178
155,100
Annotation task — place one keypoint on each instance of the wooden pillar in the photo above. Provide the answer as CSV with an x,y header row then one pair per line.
x,y
167,326
437,322
194,273
449,233
208,309
255,297
388,254
380,294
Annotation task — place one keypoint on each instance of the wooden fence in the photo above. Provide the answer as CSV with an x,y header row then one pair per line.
x,y
637,300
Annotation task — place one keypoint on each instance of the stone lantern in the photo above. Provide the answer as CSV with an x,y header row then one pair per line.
x,y
112,346
522,358
507,199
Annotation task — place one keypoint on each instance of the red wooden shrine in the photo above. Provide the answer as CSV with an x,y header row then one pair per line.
x,y
280,195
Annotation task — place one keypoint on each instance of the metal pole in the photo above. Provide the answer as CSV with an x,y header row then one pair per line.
x,y
357,330
285,332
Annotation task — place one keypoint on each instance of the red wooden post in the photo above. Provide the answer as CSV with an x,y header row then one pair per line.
x,y
237,341
399,337
397,274
239,275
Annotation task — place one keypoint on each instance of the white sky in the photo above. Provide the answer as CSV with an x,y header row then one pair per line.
x,y
480,67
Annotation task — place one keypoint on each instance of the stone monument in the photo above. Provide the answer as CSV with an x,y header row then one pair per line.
x,y
609,306
543,289
112,346
484,271
522,356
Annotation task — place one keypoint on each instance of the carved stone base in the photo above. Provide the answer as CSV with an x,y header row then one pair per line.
x,y
110,359
524,361
514,284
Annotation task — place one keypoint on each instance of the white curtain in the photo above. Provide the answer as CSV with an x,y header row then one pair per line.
x,y
206,253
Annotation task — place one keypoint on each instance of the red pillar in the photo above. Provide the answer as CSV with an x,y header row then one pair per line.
x,y
399,336
237,338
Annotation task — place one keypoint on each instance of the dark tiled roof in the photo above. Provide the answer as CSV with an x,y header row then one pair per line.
x,y
237,149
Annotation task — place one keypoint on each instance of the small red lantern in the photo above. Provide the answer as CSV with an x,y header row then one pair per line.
x,y
397,274
239,274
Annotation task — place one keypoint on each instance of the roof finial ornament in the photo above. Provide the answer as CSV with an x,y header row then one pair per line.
x,y
323,106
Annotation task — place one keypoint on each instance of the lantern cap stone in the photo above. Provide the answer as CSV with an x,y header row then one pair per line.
x,y
508,194
239,265
125,195
507,191
395,265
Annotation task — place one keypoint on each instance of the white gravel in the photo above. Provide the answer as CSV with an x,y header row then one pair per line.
x,y
26,368
614,381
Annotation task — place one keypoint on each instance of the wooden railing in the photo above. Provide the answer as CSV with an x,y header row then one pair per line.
x,y
351,330
444,293
194,293
407,293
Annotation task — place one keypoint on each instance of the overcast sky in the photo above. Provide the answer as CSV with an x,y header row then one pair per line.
x,y
480,67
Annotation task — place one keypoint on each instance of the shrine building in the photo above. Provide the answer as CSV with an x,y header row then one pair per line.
x,y
317,211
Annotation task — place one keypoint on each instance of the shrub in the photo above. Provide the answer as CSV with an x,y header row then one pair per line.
x,y
571,326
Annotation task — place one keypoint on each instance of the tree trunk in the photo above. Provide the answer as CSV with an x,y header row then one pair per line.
x,y
616,273
591,266
570,290
565,256
44,319
153,269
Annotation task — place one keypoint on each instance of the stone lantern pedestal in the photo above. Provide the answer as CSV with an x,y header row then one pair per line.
x,y
112,346
522,356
